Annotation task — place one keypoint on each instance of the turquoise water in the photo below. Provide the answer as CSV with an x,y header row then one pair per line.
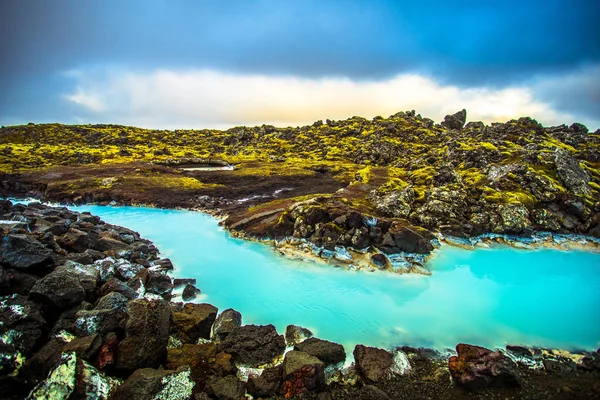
x,y
490,297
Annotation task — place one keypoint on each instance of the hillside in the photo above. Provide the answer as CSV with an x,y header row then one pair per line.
x,y
308,182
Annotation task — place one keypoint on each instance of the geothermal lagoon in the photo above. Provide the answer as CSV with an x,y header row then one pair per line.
x,y
489,297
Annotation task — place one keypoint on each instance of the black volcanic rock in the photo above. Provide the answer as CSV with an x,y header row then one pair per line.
x,y
24,252
146,335
254,344
455,121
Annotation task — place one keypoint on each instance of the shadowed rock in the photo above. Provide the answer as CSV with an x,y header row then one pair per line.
x,y
328,352
24,252
455,121
146,335
254,344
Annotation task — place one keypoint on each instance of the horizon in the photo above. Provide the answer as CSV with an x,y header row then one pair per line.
x,y
214,65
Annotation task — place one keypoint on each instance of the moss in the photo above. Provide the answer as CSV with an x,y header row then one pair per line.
x,y
509,197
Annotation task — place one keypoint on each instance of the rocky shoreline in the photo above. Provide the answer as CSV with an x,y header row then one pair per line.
x,y
89,311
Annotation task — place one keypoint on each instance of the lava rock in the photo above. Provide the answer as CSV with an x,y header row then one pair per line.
x,y
190,354
226,322
373,364
115,285
254,344
229,388
148,383
328,352
296,334
37,367
58,290
477,367
302,373
179,282
102,321
74,240
159,284
73,378
267,384
455,121
189,293
25,253
85,347
146,335
193,321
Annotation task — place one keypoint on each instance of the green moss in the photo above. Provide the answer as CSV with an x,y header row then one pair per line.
x,y
509,197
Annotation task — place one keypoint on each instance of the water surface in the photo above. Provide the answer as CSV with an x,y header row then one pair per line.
x,y
490,297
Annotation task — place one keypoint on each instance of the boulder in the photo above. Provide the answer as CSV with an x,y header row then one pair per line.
x,y
395,204
302,373
126,269
229,388
146,335
115,285
226,322
189,293
409,239
85,347
267,384
455,121
25,253
58,290
111,301
296,334
254,344
179,282
74,240
101,321
159,283
328,352
477,367
193,321
88,275
191,354
375,364
148,383
73,378
37,367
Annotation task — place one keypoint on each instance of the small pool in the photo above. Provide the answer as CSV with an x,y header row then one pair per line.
x,y
489,297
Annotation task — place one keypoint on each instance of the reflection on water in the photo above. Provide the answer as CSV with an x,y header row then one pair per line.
x,y
487,297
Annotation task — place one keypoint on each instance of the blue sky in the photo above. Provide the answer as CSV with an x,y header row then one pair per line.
x,y
173,64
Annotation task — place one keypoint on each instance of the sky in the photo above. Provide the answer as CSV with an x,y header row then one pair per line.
x,y
218,64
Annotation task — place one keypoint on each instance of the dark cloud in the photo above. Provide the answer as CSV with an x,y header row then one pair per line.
x,y
465,42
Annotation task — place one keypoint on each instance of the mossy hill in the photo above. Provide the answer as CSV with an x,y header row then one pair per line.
x,y
515,177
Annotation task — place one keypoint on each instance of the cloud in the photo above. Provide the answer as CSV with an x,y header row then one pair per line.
x,y
212,99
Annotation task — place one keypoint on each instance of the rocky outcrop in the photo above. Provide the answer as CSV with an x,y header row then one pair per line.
x,y
476,367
